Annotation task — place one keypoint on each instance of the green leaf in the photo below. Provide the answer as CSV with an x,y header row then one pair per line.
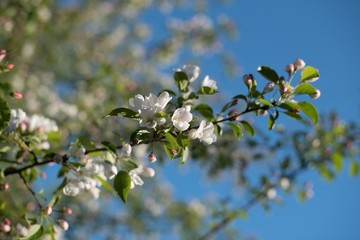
x,y
326,173
310,111
171,140
305,88
110,146
183,140
268,73
248,128
240,96
184,155
35,232
290,106
236,129
124,112
264,102
294,115
354,168
206,111
309,73
5,114
86,142
271,122
122,183
106,184
206,90
337,161
181,80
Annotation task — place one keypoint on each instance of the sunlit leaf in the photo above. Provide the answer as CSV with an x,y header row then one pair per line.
x,y
35,232
265,102
309,74
236,129
206,90
268,73
337,161
171,140
248,127
122,183
310,111
305,88
354,168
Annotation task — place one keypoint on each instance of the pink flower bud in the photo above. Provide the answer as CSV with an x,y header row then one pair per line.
x,y
269,87
290,68
5,186
316,95
10,66
2,54
16,95
173,151
63,224
7,221
5,228
67,211
148,172
299,64
152,157
47,210
248,79
43,175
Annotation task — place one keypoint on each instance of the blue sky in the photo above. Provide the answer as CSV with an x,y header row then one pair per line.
x,y
326,35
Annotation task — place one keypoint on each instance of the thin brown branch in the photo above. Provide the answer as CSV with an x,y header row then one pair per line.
x,y
10,171
31,191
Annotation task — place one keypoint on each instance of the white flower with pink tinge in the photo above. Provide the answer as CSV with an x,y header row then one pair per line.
x,y
182,117
205,133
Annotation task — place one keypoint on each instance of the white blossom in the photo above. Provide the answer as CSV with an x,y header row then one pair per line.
x,y
205,133
299,64
140,170
127,149
207,82
71,189
147,108
191,71
182,117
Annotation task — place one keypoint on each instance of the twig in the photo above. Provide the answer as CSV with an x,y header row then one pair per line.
x,y
10,171
31,191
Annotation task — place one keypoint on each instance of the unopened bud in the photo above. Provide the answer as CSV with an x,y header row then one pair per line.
x,y
248,79
173,151
263,112
5,228
67,211
43,175
148,172
10,66
316,95
271,193
284,183
127,149
64,225
5,186
152,158
299,64
47,210
269,87
290,68
16,95
2,54
7,221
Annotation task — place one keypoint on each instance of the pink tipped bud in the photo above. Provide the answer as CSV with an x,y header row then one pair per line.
x,y
16,95
7,221
299,64
63,224
47,210
127,149
263,112
10,66
5,228
297,110
269,87
148,172
173,151
43,175
152,158
2,54
5,186
248,79
67,211
290,68
316,95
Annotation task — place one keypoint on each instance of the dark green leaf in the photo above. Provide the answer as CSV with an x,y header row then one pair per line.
x,y
110,146
122,183
206,111
290,106
183,140
240,96
124,112
271,122
305,88
268,73
248,127
309,73
236,129
310,111
181,80
86,142
5,114
35,232
326,173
